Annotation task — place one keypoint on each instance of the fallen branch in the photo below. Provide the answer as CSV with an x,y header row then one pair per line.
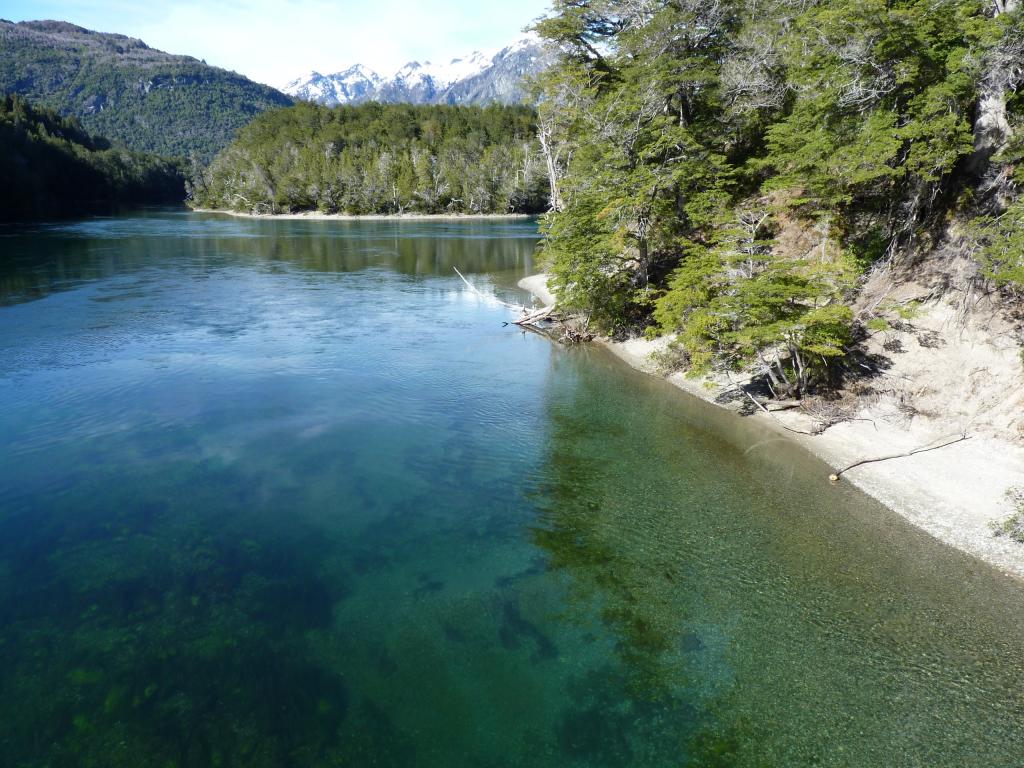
x,y
835,477
546,331
531,319
490,296
783,405
534,317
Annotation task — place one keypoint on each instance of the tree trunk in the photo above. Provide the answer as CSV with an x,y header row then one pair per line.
x,y
801,371
642,277
991,125
544,135
785,385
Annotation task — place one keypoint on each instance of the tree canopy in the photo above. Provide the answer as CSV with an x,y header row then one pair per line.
x,y
377,158
51,166
726,170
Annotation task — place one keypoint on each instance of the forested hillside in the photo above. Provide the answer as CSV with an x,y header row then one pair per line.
x,y
122,89
50,166
376,158
733,172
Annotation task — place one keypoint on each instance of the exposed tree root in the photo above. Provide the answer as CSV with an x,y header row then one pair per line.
x,y
764,409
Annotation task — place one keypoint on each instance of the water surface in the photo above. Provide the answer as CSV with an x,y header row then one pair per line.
x,y
286,493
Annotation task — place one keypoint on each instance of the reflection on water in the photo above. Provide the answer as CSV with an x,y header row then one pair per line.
x,y
286,494
106,247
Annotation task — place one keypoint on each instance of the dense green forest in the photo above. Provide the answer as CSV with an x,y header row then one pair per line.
x,y
729,171
121,88
377,158
51,166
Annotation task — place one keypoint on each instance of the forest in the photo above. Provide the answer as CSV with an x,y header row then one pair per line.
x,y
51,166
730,172
379,159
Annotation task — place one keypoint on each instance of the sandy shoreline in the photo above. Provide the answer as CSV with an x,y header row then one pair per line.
x,y
954,493
317,216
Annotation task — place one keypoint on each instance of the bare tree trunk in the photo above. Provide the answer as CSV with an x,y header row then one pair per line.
x,y
551,159
782,375
643,258
991,125
992,128
801,371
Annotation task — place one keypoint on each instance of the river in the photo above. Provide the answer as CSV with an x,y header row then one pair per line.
x,y
287,493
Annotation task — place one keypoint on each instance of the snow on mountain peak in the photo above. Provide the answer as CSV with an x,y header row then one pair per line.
x,y
300,81
359,69
491,75
356,73
462,68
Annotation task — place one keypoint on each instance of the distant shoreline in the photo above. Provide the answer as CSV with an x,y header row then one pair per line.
x,y
317,216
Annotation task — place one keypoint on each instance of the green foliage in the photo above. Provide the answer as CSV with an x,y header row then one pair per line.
x,y
885,95
742,303
120,88
376,158
843,125
51,166
909,311
1002,253
630,105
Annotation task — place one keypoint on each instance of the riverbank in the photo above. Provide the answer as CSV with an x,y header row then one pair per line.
x,y
317,216
955,493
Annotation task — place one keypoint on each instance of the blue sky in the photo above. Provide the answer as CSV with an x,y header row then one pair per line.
x,y
273,41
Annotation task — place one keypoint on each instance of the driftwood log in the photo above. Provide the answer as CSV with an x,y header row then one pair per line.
x,y
834,477
839,472
535,316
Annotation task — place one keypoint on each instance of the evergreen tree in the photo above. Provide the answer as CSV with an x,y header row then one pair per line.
x,y
725,170
377,158
50,166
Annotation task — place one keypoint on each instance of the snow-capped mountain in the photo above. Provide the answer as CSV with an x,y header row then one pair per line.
x,y
355,84
479,78
503,80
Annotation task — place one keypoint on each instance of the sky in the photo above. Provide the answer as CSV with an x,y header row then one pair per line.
x,y
274,41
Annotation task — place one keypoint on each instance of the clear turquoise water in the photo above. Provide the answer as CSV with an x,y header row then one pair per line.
x,y
286,494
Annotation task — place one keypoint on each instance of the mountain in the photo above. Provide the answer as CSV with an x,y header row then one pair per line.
x,y
121,88
356,84
502,80
478,78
